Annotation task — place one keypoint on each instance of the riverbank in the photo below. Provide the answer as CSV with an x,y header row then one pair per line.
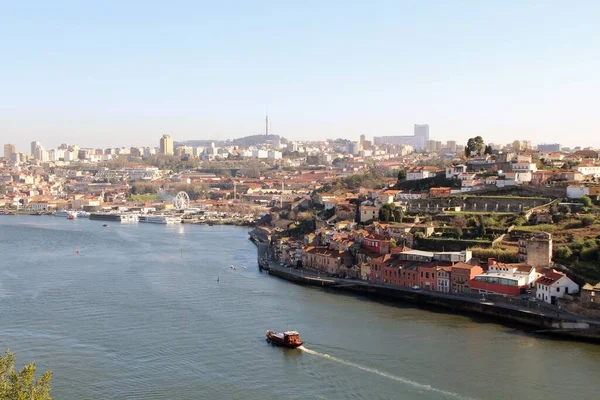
x,y
194,220
537,315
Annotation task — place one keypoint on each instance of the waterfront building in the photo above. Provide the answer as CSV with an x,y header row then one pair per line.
x,y
444,279
553,286
410,276
385,269
428,276
322,258
461,273
590,295
429,256
508,279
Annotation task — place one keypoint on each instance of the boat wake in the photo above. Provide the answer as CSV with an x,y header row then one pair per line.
x,y
384,374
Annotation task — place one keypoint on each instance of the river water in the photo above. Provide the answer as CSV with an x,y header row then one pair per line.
x,y
138,313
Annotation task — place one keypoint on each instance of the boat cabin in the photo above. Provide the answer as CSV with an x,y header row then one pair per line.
x,y
291,338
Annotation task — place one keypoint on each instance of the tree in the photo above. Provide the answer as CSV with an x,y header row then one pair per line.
x,y
22,385
386,212
516,146
399,214
488,150
481,224
475,146
563,252
402,175
459,223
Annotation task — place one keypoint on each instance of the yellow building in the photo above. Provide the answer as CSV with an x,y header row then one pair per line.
x,y
166,145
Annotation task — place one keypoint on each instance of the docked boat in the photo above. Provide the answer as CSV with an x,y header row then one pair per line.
x,y
160,219
83,214
61,213
289,339
113,216
72,215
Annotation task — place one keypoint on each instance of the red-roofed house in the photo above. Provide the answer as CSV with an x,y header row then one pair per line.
x,y
554,285
376,244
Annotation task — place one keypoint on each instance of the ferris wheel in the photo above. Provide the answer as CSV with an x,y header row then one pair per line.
x,y
182,201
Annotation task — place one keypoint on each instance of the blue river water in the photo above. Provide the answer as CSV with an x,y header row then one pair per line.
x,y
144,311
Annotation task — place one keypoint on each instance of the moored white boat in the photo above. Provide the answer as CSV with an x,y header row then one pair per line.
x,y
160,219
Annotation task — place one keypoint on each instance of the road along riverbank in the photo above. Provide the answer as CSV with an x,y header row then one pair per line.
x,y
537,316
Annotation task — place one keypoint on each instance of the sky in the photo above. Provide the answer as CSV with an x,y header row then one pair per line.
x,y
123,73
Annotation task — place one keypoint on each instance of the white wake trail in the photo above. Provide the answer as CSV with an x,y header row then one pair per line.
x,y
384,374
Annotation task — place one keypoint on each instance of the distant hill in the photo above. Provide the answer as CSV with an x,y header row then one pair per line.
x,y
253,140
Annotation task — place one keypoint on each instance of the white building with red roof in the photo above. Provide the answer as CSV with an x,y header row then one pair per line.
x,y
554,285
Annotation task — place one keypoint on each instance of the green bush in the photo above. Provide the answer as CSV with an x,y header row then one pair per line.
x,y
589,254
586,201
520,221
563,252
501,255
577,244
587,220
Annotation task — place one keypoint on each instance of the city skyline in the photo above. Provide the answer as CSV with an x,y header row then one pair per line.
x,y
89,74
413,139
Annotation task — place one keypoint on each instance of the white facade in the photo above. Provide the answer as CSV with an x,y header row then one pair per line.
x,y
260,154
591,170
443,282
414,174
524,167
577,191
554,286
274,155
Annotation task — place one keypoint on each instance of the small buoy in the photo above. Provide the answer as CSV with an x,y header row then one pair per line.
x,y
217,279
77,251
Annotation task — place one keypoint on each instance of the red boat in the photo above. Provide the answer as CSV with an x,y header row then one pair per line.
x,y
289,339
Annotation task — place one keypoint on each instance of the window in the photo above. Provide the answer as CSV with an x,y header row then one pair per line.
x,y
558,289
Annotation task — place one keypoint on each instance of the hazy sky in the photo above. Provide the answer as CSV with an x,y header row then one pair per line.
x,y
111,73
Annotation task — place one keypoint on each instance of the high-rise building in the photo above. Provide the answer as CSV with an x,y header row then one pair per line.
x,y
422,131
451,145
554,147
34,145
418,140
9,149
166,145
38,152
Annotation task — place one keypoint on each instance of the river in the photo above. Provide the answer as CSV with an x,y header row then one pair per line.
x,y
136,311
